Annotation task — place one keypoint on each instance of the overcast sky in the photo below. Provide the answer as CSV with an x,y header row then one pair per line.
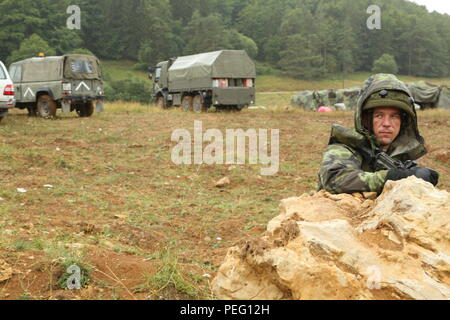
x,y
441,6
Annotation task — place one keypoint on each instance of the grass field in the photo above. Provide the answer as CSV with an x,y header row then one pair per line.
x,y
102,193
119,70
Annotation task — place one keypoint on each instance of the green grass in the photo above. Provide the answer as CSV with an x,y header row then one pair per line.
x,y
270,83
170,276
119,70
126,169
122,69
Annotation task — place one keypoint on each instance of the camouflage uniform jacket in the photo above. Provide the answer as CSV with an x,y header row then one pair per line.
x,y
344,168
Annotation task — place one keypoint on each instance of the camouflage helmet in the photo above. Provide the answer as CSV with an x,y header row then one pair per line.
x,y
390,98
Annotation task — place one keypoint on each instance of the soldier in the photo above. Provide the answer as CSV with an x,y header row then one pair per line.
x,y
385,120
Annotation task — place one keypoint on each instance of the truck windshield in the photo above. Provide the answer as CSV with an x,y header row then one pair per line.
x,y
157,73
81,66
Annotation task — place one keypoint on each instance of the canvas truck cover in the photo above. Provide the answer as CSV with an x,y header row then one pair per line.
x,y
36,69
197,70
444,98
81,67
424,92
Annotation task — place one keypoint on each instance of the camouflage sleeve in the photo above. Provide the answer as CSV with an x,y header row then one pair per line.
x,y
341,172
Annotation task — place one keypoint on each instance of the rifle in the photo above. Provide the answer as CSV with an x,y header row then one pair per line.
x,y
380,160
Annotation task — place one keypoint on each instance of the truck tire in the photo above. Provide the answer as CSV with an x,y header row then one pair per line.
x,y
46,107
198,105
186,103
161,103
86,109
32,111
239,107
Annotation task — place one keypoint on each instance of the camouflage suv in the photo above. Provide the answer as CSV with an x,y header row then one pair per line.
x,y
71,82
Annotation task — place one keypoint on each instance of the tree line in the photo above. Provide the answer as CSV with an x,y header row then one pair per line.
x,y
303,38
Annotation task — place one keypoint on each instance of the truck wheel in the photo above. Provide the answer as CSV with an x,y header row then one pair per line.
x,y
89,109
86,109
46,107
161,103
186,104
32,111
239,107
198,104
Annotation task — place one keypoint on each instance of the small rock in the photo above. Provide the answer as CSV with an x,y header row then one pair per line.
x,y
21,190
394,238
358,195
219,239
76,245
206,275
108,244
370,195
48,186
5,270
121,216
222,182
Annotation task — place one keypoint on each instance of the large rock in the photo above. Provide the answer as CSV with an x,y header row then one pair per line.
x,y
325,246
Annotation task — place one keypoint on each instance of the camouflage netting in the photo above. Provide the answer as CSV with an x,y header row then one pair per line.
x,y
444,98
425,94
306,100
312,100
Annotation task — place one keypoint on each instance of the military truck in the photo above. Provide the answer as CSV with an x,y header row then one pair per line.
x,y
71,82
224,79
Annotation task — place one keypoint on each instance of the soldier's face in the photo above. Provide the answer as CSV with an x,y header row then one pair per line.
x,y
386,124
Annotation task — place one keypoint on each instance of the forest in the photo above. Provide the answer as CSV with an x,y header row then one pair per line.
x,y
305,39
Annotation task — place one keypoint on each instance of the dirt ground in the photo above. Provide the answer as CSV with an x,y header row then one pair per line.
x,y
102,193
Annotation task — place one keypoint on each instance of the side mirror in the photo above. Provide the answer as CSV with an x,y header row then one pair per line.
x,y
150,76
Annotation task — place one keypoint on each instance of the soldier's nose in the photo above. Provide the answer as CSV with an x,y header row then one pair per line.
x,y
386,122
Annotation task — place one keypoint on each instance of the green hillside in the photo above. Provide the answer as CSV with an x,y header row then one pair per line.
x,y
123,69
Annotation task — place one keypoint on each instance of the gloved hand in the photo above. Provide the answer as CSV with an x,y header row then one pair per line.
x,y
399,174
426,174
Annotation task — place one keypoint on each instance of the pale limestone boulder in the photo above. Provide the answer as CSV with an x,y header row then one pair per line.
x,y
325,246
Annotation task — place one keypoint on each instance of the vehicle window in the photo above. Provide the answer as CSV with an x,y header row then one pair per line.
x,y
16,73
2,73
157,73
81,66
